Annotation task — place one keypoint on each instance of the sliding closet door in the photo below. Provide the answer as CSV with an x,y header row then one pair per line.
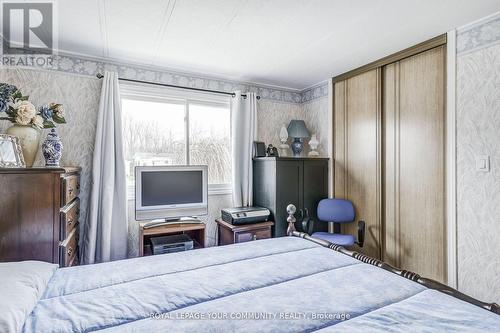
x,y
357,137
414,163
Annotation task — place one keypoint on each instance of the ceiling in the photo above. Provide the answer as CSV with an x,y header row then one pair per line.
x,y
286,43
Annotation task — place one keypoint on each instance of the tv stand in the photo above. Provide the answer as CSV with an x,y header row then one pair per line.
x,y
194,228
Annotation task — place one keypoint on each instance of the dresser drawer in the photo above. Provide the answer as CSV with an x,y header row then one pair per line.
x,y
70,188
246,236
69,218
68,249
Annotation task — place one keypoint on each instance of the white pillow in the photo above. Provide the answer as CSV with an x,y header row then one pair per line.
x,y
21,286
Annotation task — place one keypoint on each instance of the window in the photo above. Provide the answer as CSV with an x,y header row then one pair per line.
x,y
164,127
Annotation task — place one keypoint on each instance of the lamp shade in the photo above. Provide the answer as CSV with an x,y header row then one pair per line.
x,y
297,129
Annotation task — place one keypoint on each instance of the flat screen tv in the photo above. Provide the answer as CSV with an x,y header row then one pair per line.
x,y
170,192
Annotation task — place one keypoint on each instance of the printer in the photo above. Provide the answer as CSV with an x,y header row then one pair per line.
x,y
245,215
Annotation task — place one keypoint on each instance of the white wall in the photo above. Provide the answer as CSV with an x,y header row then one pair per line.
x,y
80,97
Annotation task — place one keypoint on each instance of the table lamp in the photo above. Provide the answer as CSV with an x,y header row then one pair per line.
x,y
297,130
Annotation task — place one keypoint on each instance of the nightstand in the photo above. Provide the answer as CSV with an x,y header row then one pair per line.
x,y
194,230
232,234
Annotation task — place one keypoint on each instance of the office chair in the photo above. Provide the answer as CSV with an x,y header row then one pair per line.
x,y
338,211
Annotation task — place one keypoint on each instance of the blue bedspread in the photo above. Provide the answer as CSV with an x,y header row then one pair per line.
x,y
279,285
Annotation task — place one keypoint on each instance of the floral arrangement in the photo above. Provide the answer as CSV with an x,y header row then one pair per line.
x,y
22,112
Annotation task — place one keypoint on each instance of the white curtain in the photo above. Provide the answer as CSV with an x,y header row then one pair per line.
x,y
105,236
243,134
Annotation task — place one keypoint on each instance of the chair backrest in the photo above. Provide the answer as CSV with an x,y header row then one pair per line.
x,y
336,210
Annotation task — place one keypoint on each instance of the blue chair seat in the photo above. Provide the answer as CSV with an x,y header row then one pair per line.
x,y
339,239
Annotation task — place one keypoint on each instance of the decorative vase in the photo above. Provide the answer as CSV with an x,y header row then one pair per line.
x,y
30,140
313,144
283,138
52,149
297,147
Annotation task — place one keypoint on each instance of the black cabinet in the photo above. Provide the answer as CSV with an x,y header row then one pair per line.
x,y
280,181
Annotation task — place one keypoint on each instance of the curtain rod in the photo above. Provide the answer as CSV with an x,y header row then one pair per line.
x,y
232,94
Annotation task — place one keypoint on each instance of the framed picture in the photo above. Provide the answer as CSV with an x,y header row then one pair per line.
x,y
259,149
11,155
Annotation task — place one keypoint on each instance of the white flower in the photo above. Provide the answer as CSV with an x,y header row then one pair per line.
x,y
25,112
38,121
23,120
57,108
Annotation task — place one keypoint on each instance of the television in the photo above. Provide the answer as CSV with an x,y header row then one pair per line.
x,y
170,192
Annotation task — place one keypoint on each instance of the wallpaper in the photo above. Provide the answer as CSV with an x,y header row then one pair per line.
x,y
80,96
317,91
481,34
315,113
478,133
271,116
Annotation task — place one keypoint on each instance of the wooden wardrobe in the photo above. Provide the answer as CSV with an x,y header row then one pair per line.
x,y
389,153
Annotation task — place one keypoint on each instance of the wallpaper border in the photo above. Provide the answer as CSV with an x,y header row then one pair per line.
x,y
478,35
316,91
90,67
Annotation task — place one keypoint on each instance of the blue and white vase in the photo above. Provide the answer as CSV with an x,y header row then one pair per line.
x,y
52,149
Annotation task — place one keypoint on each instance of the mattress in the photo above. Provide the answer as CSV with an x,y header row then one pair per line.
x,y
284,284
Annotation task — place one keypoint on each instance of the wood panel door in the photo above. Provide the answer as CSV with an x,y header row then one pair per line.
x,y
357,153
414,163
290,190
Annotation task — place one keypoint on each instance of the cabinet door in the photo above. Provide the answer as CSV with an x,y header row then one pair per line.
x,y
357,152
264,185
414,145
289,183
315,189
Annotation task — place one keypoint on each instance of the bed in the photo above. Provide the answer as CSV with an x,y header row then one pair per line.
x,y
287,284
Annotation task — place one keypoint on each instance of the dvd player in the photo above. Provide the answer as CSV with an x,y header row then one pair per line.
x,y
245,215
172,243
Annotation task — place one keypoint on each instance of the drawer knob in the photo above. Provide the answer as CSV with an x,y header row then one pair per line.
x,y
254,237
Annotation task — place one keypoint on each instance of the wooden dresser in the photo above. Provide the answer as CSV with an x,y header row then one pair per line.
x,y
231,234
39,214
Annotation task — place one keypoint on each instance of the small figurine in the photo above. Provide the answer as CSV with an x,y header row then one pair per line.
x,y
272,151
